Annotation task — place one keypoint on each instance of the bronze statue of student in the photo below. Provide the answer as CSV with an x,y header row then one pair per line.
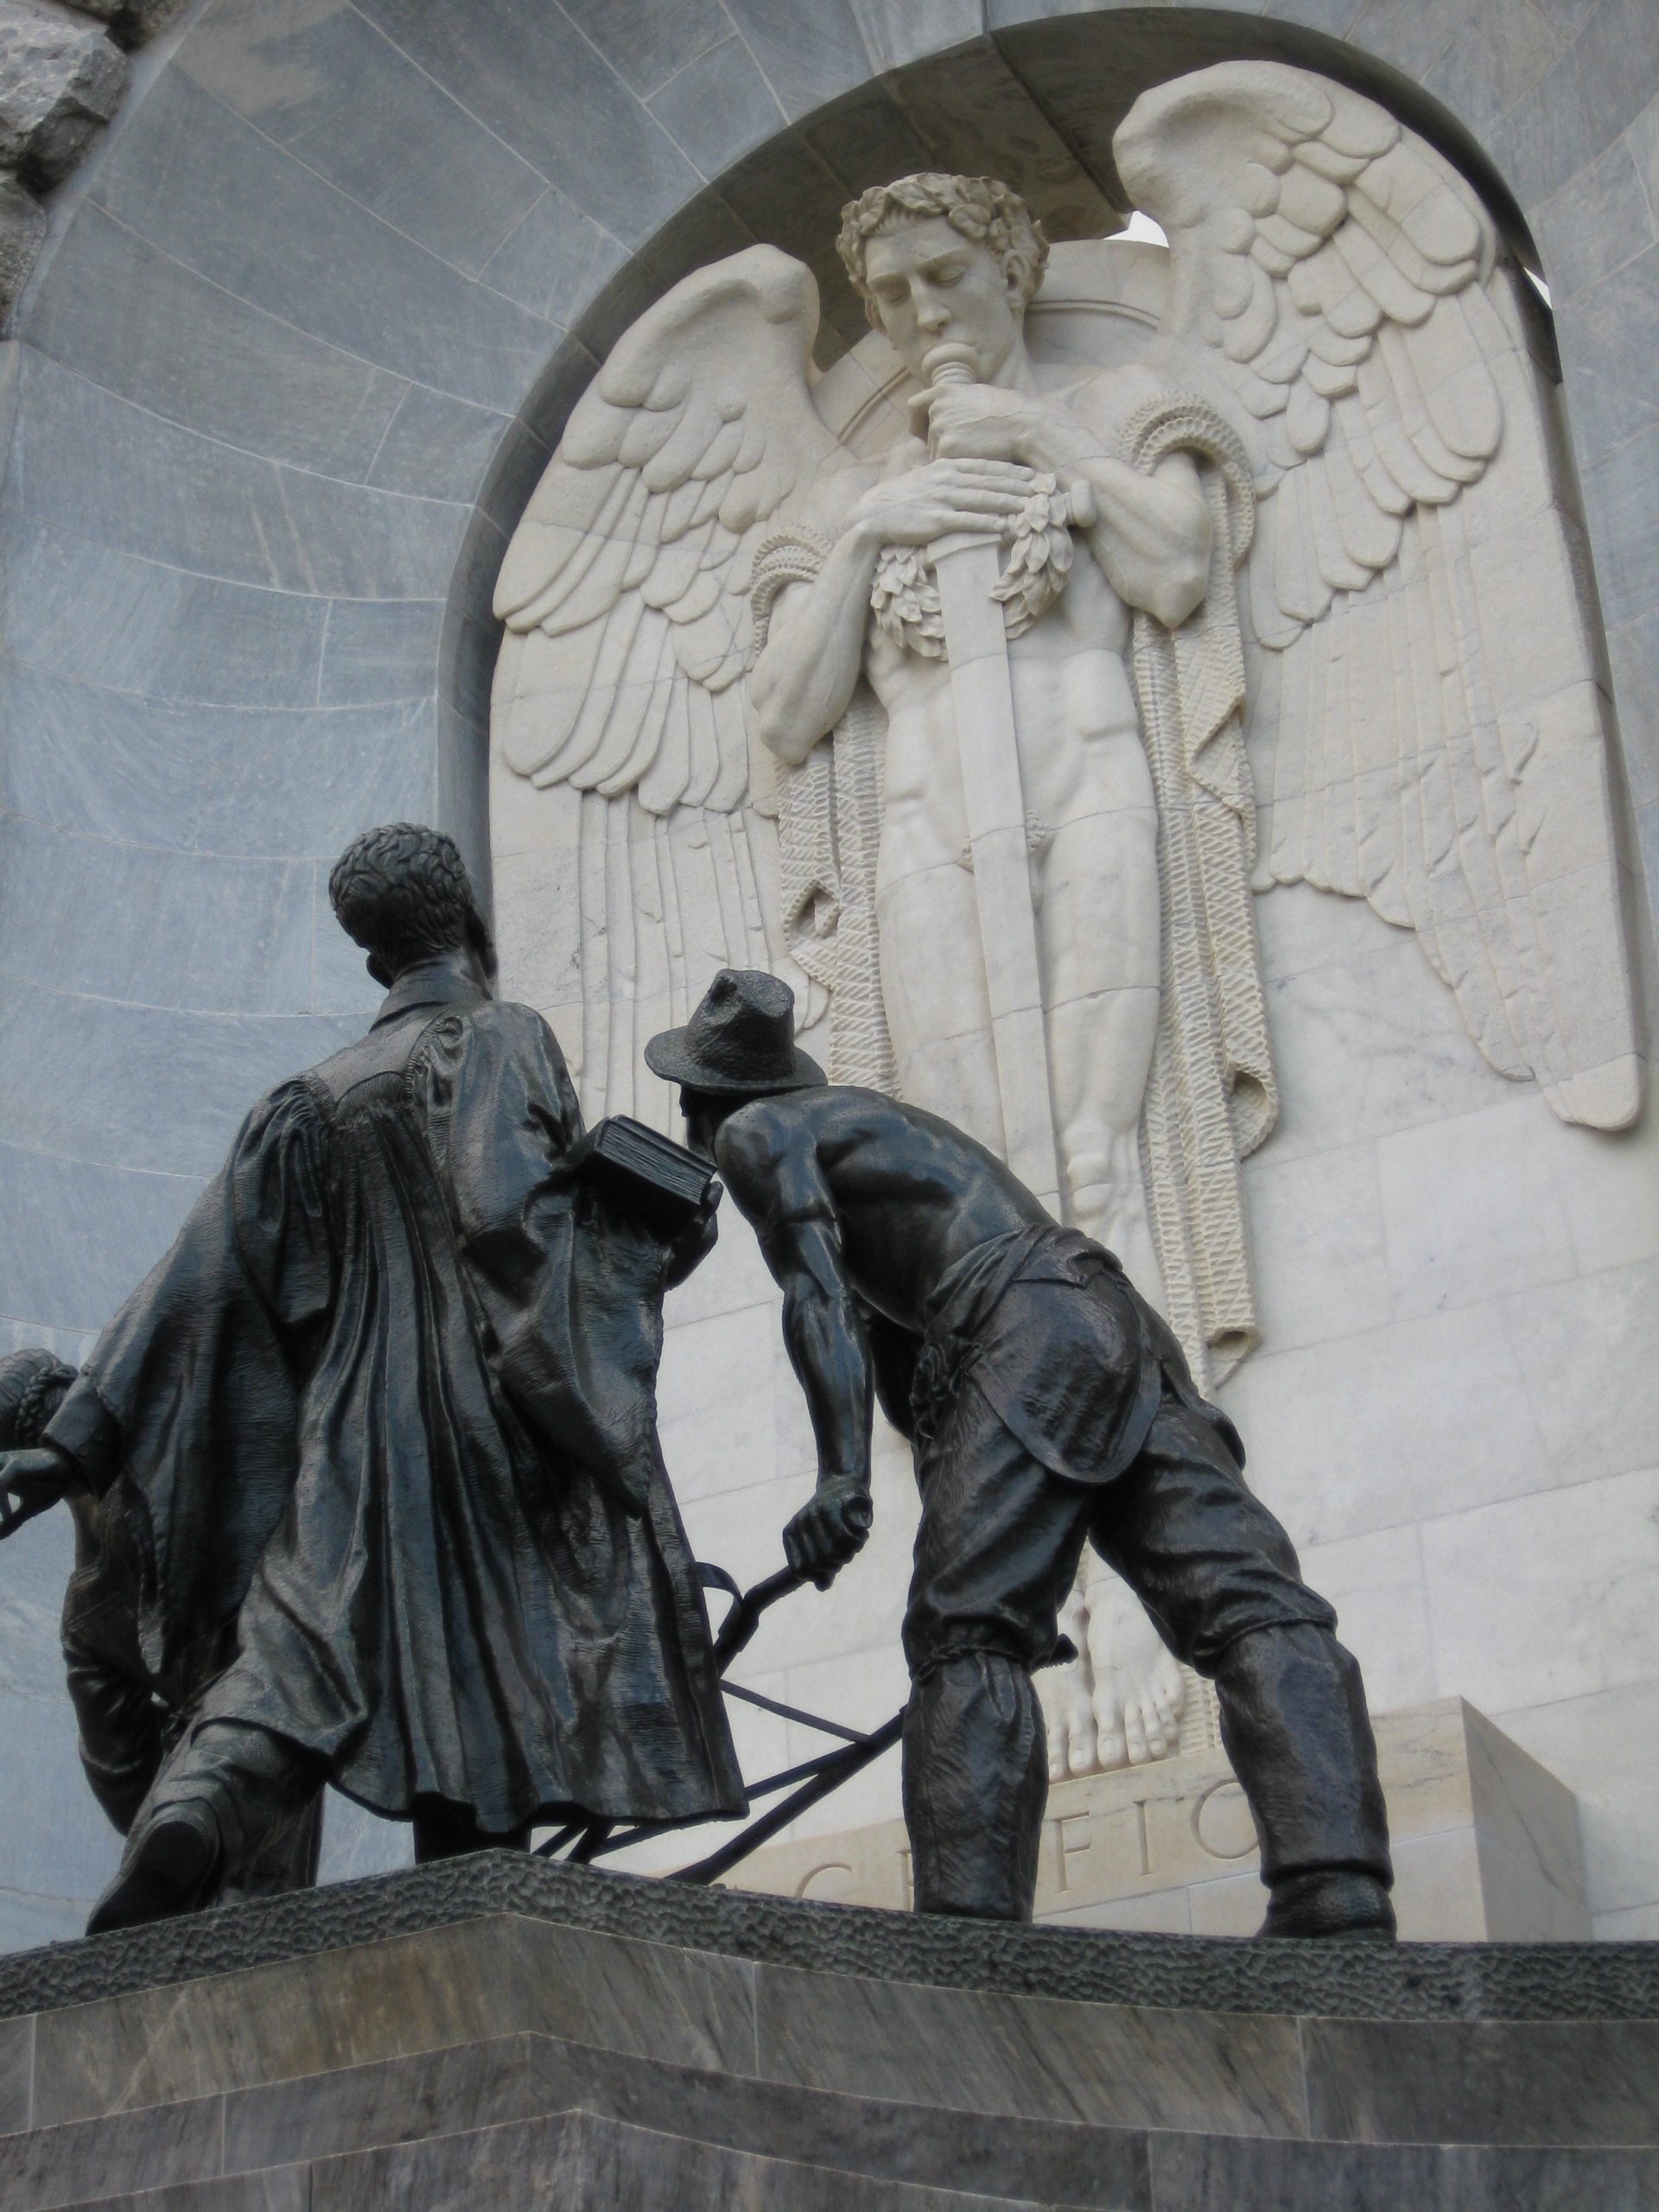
x,y
384,1419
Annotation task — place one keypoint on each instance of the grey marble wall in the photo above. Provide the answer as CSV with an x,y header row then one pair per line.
x,y
302,329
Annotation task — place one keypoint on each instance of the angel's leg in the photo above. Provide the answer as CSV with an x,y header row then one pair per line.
x,y
1138,1687
938,1008
1096,878
1097,875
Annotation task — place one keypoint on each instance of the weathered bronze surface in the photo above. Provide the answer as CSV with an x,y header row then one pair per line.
x,y
1047,1405
379,1432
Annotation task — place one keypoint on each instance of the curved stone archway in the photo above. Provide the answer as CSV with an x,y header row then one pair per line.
x,y
302,329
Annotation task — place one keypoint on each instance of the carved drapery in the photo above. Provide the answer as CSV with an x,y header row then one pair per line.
x,y
828,829
1211,1097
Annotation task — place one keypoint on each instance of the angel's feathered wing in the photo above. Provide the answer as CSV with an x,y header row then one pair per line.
x,y
1427,731
624,594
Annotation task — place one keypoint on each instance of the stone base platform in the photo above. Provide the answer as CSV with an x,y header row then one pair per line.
x,y
500,2033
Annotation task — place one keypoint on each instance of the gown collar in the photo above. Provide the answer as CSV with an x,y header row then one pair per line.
x,y
430,983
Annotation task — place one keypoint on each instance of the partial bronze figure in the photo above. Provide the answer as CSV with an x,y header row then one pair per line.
x,y
1048,1404
129,1715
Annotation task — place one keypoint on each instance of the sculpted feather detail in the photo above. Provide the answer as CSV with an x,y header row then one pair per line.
x,y
1424,724
625,596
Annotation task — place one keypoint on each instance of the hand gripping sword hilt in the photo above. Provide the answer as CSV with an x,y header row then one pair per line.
x,y
1075,505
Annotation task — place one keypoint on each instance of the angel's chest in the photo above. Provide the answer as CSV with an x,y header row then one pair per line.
x,y
906,652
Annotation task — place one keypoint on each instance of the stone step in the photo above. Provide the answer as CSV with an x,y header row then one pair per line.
x,y
1020,2065
527,2076
865,2004
566,2162
218,2155
579,2161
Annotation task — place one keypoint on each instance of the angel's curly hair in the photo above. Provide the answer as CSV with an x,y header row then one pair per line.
x,y
403,893
981,207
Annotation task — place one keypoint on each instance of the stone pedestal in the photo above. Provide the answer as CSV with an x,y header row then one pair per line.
x,y
499,2032
1485,1844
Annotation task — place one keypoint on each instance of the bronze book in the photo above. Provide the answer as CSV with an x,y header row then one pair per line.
x,y
658,1181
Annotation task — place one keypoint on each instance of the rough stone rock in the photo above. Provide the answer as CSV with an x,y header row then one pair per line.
x,y
60,77
138,20
23,225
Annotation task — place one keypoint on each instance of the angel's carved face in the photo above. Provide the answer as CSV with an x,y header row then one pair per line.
x,y
933,286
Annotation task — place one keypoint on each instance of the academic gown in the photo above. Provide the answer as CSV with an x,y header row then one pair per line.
x,y
390,1401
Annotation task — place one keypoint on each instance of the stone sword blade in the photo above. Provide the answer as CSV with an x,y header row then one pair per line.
x,y
967,566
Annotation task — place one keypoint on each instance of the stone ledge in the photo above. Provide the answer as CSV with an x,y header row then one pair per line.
x,y
431,2104
1407,1981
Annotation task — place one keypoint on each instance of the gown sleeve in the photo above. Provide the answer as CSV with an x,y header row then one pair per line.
x,y
189,1400
571,1289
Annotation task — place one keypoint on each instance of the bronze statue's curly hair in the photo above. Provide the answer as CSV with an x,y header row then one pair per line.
x,y
982,208
403,893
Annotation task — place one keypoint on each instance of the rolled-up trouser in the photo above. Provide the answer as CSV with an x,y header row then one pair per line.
x,y
265,1794
995,1555
127,1735
120,1724
975,1782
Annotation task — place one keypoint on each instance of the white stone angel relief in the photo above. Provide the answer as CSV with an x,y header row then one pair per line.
x,y
1259,499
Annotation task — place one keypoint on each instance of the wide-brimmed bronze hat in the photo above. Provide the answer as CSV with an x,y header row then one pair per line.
x,y
740,1038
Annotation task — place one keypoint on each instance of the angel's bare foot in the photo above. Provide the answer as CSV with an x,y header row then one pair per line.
x,y
1068,1704
1068,1709
1138,1691
1152,1714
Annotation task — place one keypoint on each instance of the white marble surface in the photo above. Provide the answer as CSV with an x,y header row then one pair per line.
x,y
1464,1451
1600,1745
1458,1287
1471,1484
1549,1596
1486,1844
1379,660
